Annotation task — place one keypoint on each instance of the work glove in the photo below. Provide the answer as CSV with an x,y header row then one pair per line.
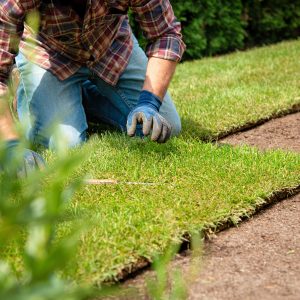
x,y
29,162
147,114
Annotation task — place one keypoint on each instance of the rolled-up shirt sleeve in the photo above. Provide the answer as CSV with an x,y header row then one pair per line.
x,y
160,27
11,28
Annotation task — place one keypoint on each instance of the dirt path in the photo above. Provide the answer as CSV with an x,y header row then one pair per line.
x,y
260,259
283,133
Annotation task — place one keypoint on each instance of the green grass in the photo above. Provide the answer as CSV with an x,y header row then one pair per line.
x,y
218,95
196,185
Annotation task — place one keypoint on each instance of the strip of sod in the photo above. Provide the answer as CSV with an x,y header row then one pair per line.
x,y
197,185
218,95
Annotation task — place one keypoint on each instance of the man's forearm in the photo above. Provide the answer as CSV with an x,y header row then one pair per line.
x,y
158,76
7,128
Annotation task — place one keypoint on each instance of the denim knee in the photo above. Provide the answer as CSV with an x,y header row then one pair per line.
x,y
66,136
169,112
176,126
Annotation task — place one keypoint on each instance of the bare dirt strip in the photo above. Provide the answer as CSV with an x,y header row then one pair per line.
x,y
259,259
282,133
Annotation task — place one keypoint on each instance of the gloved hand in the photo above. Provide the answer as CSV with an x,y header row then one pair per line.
x,y
31,160
146,113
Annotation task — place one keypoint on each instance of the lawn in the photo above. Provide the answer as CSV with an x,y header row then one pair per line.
x,y
194,185
217,96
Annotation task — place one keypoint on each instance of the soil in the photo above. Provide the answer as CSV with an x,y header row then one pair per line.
x,y
259,259
282,133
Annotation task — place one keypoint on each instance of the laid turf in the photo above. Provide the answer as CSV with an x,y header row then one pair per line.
x,y
219,95
195,185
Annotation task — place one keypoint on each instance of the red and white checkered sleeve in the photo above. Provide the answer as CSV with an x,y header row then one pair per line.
x,y
160,27
11,28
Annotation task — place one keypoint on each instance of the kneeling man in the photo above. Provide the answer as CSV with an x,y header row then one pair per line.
x,y
84,64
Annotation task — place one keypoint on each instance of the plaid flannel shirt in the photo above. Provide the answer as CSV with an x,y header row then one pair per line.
x,y
101,41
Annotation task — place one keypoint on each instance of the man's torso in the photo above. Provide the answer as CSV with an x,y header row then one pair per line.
x,y
95,34
73,33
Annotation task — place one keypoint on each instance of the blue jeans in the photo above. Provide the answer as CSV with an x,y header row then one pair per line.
x,y
44,100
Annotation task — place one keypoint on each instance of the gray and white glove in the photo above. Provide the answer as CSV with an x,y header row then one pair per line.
x,y
29,162
147,114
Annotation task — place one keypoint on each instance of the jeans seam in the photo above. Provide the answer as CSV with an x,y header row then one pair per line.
x,y
124,98
22,82
33,130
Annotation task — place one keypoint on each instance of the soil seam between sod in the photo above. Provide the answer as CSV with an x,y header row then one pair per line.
x,y
143,264
295,108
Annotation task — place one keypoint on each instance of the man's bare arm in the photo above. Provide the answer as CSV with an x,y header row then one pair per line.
x,y
158,76
7,128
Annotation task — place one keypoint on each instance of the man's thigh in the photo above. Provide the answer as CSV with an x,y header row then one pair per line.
x,y
45,101
124,96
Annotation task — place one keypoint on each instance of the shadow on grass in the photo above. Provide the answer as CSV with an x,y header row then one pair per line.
x,y
190,129
143,145
194,130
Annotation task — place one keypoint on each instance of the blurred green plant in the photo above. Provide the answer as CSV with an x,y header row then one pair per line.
x,y
30,211
169,282
31,208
